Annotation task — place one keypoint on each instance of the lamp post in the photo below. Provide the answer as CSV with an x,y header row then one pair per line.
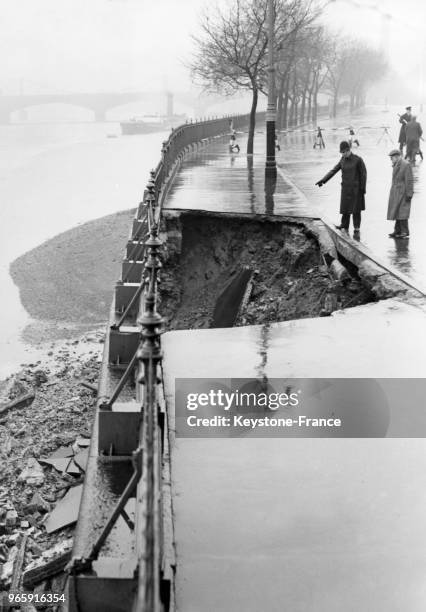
x,y
271,111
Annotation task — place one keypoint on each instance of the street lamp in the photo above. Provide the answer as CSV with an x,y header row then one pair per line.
x,y
271,111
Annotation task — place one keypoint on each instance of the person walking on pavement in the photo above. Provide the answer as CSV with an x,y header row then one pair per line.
x,y
354,181
400,195
233,145
403,119
353,137
413,132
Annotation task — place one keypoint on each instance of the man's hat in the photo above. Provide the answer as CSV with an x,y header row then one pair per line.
x,y
344,146
394,152
408,108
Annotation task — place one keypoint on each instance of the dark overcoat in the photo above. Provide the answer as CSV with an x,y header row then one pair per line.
x,y
354,182
413,132
404,119
401,188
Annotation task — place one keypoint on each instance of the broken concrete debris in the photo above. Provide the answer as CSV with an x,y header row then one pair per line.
x,y
290,279
51,562
33,473
39,435
66,511
20,402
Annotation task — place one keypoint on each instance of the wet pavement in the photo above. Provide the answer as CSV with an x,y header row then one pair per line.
x,y
213,179
309,524
303,525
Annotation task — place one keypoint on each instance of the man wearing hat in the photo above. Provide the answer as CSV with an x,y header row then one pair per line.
x,y
354,181
413,133
403,119
400,195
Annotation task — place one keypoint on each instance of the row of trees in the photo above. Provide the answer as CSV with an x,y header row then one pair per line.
x,y
231,55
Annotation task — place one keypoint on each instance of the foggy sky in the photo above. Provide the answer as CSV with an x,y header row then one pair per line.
x,y
108,45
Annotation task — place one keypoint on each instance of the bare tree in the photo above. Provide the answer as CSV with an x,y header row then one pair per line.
x,y
232,49
231,53
338,61
366,66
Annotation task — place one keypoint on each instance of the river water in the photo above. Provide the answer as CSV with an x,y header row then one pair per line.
x,y
54,176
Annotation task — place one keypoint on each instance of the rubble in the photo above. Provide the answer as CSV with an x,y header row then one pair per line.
x,y
39,432
20,402
33,473
51,562
66,511
292,278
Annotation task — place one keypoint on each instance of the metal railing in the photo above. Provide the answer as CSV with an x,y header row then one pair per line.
x,y
154,582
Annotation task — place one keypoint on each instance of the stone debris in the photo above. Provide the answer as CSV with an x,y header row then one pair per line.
x,y
20,402
38,504
41,431
11,518
290,273
62,451
60,464
66,511
81,459
32,474
50,563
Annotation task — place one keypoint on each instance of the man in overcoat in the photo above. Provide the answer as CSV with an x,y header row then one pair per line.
x,y
403,119
354,181
400,195
413,132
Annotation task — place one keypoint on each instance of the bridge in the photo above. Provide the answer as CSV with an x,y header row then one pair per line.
x,y
101,102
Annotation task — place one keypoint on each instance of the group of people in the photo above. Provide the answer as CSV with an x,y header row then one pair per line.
x,y
410,134
354,183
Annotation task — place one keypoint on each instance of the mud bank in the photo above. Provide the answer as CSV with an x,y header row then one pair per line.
x,y
66,281
286,272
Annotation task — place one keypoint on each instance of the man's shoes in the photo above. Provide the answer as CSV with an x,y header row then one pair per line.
x,y
393,235
356,230
341,227
402,236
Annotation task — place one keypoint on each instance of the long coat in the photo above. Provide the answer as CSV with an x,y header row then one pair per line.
x,y
404,119
413,131
401,188
354,181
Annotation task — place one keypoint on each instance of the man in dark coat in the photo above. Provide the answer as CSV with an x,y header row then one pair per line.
x,y
354,181
413,132
403,119
400,195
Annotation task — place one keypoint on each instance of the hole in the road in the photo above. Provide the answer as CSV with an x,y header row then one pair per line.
x,y
222,272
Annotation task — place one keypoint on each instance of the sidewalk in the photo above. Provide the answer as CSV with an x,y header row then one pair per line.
x,y
212,179
301,525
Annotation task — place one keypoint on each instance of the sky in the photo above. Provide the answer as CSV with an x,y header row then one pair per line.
x,y
58,46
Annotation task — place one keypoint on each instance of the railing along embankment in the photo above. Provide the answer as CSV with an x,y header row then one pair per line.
x,y
127,483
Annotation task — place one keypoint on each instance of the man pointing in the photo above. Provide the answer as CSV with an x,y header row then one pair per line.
x,y
354,181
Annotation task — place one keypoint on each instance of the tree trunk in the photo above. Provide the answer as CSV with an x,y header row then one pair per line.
x,y
315,106
335,101
303,107
309,113
252,123
284,123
